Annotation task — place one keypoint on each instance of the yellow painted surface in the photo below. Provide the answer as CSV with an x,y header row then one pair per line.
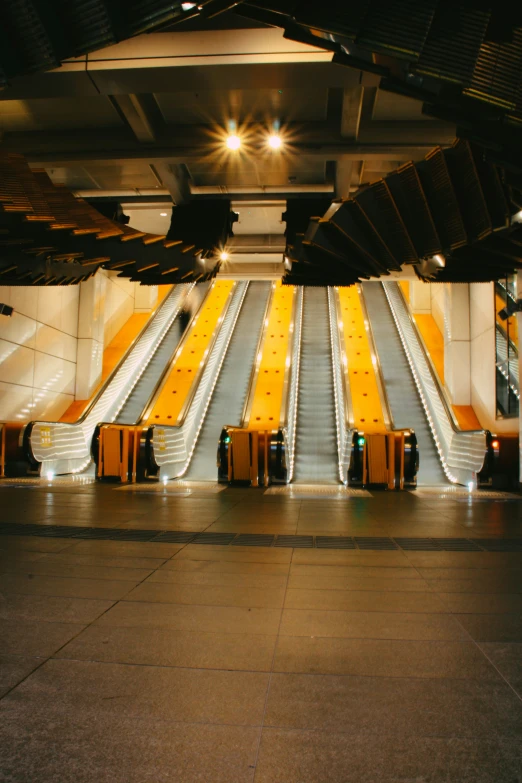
x,y
434,342
186,365
366,402
405,285
268,394
114,353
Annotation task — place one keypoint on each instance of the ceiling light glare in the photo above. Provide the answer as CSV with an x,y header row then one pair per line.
x,y
163,214
223,256
233,142
187,6
274,141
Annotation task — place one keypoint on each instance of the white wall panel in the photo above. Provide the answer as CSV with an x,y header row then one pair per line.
x,y
16,364
54,342
53,374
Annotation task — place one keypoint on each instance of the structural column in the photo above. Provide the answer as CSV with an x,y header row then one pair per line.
x,y
90,335
457,354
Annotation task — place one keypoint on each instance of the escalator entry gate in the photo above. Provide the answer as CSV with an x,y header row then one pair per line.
x,y
249,457
387,460
118,452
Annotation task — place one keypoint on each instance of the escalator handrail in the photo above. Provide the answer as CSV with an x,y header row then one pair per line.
x,y
289,416
183,437
254,372
344,418
462,453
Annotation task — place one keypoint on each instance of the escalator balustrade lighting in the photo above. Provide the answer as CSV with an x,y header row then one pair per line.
x,y
190,357
268,395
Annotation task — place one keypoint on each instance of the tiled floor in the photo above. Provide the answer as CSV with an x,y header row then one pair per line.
x,y
133,662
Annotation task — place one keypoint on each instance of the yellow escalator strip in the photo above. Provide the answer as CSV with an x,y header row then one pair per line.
x,y
176,389
433,340
366,402
268,394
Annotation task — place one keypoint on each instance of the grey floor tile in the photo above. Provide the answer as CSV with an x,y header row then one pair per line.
x,y
225,567
44,608
298,581
506,657
134,563
371,625
124,549
164,647
321,757
389,706
481,603
51,567
9,544
155,692
382,658
493,628
350,557
15,668
235,580
364,601
209,595
122,750
37,639
231,619
36,584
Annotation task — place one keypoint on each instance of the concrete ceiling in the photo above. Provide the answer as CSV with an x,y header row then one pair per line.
x,y
150,115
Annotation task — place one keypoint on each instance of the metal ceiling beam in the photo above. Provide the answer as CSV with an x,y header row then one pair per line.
x,y
174,177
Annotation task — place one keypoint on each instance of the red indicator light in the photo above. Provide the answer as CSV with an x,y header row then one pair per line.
x,y
495,444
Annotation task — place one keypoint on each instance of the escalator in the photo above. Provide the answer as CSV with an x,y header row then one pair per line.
x,y
405,404
228,400
316,459
134,406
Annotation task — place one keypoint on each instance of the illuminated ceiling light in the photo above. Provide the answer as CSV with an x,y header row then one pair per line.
x,y
223,256
163,214
187,6
233,142
275,141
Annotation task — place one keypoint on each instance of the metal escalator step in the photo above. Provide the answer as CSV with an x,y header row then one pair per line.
x,y
296,542
96,532
134,535
458,545
364,542
253,539
214,538
334,542
174,537
417,544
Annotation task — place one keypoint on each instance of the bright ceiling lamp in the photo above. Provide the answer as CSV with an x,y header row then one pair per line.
x,y
274,141
233,142
223,256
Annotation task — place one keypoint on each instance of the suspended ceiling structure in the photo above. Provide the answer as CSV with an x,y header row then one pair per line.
x,y
140,128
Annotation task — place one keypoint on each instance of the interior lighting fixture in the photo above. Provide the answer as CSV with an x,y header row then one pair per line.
x,y
275,142
50,475
223,256
163,214
233,142
187,6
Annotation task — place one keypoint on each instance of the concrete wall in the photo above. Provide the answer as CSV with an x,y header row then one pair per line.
x,y
53,332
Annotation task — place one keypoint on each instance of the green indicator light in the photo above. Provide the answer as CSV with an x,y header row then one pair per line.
x,y
227,439
360,441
